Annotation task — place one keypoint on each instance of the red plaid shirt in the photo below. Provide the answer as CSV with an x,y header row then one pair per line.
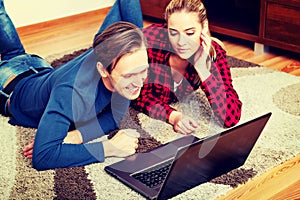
x,y
158,92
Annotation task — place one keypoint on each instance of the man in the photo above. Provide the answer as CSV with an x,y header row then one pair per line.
x,y
85,98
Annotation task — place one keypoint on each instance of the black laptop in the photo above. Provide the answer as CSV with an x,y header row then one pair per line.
x,y
188,161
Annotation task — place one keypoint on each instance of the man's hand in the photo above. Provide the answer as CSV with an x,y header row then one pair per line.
x,y
27,151
123,144
182,123
73,137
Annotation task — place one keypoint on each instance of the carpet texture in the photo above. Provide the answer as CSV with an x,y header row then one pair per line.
x,y
260,89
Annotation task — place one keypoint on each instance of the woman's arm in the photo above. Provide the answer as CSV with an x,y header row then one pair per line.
x,y
153,101
219,90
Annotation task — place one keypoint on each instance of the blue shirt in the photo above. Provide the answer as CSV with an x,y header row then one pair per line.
x,y
69,97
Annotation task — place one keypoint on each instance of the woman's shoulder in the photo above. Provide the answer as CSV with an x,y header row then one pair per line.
x,y
156,30
157,36
218,44
156,26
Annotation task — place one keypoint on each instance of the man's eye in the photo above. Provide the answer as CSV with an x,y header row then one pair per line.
x,y
127,76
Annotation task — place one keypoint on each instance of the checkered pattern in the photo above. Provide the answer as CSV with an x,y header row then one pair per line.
x,y
158,91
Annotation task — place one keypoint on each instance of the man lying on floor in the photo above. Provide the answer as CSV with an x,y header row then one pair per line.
x,y
86,97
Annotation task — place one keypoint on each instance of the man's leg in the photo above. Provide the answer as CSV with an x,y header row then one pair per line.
x,y
123,10
10,44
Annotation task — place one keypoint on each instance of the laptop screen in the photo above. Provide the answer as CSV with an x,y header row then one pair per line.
x,y
211,157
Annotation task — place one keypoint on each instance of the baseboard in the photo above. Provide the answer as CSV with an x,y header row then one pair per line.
x,y
35,28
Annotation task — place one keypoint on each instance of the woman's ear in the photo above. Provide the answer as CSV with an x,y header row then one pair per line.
x,y
102,71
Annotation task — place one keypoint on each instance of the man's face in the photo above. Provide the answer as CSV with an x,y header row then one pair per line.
x,y
128,75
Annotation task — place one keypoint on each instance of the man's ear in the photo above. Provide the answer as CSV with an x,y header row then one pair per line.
x,y
102,71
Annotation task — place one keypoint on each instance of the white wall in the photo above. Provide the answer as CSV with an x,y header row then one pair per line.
x,y
26,12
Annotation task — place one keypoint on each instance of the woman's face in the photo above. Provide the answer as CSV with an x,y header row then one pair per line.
x,y
184,32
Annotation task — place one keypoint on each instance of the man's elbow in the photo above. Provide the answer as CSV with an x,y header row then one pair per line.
x,y
40,162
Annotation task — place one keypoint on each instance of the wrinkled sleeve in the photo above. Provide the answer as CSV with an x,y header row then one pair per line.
x,y
220,92
49,151
152,101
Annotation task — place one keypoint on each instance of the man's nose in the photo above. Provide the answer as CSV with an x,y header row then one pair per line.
x,y
139,80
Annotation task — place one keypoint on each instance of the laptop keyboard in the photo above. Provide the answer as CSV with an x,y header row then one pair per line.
x,y
154,177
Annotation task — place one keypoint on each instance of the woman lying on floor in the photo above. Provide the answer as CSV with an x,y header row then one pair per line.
x,y
183,58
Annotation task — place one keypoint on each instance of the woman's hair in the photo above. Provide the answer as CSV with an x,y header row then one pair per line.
x,y
188,5
117,40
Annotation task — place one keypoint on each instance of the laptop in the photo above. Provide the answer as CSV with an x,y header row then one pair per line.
x,y
189,161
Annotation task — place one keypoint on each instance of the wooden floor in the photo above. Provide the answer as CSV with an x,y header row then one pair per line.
x,y
282,182
279,183
74,32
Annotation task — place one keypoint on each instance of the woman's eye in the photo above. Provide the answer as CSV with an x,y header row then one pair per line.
x,y
173,33
190,33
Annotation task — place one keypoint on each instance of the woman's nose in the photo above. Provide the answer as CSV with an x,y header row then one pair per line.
x,y
181,40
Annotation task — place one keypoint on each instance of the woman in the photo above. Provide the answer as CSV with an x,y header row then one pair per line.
x,y
179,53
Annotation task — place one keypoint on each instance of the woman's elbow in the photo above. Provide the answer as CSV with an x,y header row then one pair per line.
x,y
232,119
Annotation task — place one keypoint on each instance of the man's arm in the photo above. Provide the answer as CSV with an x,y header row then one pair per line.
x,y
123,144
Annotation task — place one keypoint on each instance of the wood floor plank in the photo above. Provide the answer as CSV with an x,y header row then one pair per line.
x,y
284,178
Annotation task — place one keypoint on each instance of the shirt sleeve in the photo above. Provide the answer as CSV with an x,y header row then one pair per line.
x,y
153,101
156,95
49,150
108,120
220,92
98,126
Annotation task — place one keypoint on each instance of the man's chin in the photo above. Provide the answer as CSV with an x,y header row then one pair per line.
x,y
131,96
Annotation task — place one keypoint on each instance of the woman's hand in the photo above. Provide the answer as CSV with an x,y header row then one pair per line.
x,y
182,124
202,62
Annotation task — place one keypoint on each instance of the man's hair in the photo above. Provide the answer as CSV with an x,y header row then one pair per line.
x,y
117,40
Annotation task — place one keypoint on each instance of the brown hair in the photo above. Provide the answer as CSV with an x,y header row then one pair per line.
x,y
117,40
196,6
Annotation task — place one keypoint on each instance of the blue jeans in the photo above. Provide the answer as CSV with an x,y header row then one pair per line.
x,y
14,60
123,10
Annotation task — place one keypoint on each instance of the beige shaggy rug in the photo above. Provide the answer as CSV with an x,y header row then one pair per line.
x,y
260,89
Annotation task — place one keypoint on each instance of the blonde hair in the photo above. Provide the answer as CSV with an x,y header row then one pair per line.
x,y
188,5
195,6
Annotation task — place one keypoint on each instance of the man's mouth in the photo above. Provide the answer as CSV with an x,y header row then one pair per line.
x,y
133,90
